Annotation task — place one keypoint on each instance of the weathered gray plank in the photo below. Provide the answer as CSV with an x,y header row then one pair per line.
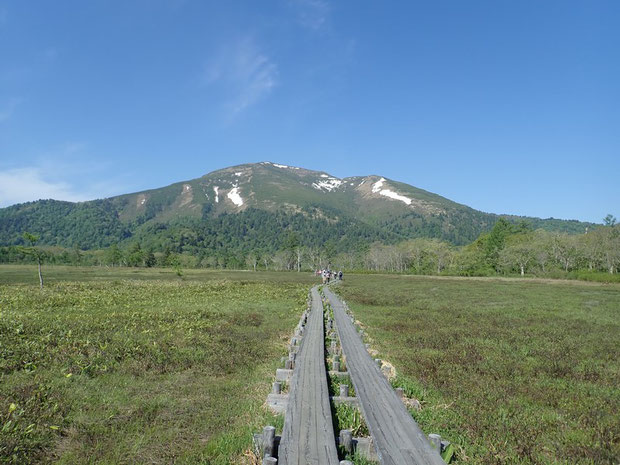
x,y
308,435
397,437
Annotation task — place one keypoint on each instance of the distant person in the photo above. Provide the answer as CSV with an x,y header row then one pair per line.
x,y
340,275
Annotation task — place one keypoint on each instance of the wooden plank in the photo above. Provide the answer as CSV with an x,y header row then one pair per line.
x,y
397,437
308,435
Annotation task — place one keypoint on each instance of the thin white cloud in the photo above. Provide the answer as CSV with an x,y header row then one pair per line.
x,y
312,14
7,110
67,172
27,184
246,73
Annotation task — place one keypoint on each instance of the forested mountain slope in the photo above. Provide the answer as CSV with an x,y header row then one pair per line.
x,y
255,206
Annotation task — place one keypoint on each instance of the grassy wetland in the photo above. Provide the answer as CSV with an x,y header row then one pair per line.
x,y
118,366
511,371
146,366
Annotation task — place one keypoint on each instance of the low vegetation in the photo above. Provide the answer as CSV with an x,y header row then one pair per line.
x,y
139,367
349,417
145,366
336,381
510,371
508,249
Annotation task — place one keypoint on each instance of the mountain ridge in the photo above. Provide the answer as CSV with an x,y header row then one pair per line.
x,y
373,207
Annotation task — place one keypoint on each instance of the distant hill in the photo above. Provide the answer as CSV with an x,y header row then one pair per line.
x,y
257,206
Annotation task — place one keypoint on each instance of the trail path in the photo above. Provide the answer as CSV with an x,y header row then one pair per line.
x,y
308,435
398,439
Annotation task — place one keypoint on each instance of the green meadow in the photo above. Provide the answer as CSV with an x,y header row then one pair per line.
x,y
113,366
510,371
120,365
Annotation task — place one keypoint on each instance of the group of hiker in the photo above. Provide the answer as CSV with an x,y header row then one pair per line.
x,y
329,275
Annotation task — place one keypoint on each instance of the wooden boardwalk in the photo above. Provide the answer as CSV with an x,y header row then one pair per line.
x,y
308,435
398,439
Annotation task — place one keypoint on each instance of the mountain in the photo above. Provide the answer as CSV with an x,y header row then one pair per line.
x,y
257,206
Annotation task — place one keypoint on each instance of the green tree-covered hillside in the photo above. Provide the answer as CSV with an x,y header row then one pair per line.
x,y
253,206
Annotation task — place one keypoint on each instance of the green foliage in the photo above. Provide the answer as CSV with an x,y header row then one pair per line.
x,y
106,369
284,206
92,224
292,241
136,255
31,238
448,454
357,459
507,371
511,249
36,253
507,250
552,225
31,250
336,381
457,226
288,224
495,240
594,276
411,388
349,417
609,220
483,256
149,259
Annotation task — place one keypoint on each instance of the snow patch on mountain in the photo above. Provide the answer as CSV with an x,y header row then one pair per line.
x,y
376,189
234,196
217,197
395,196
238,174
329,184
277,165
378,185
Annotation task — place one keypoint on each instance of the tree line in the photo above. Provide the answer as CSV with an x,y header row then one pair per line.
x,y
508,249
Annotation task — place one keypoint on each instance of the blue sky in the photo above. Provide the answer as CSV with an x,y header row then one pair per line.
x,y
505,106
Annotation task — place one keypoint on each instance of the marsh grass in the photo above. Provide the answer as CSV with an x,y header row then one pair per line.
x,y
349,417
121,367
336,381
510,371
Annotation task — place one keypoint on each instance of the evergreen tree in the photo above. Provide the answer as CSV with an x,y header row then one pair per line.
x,y
149,259
495,242
114,255
136,255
